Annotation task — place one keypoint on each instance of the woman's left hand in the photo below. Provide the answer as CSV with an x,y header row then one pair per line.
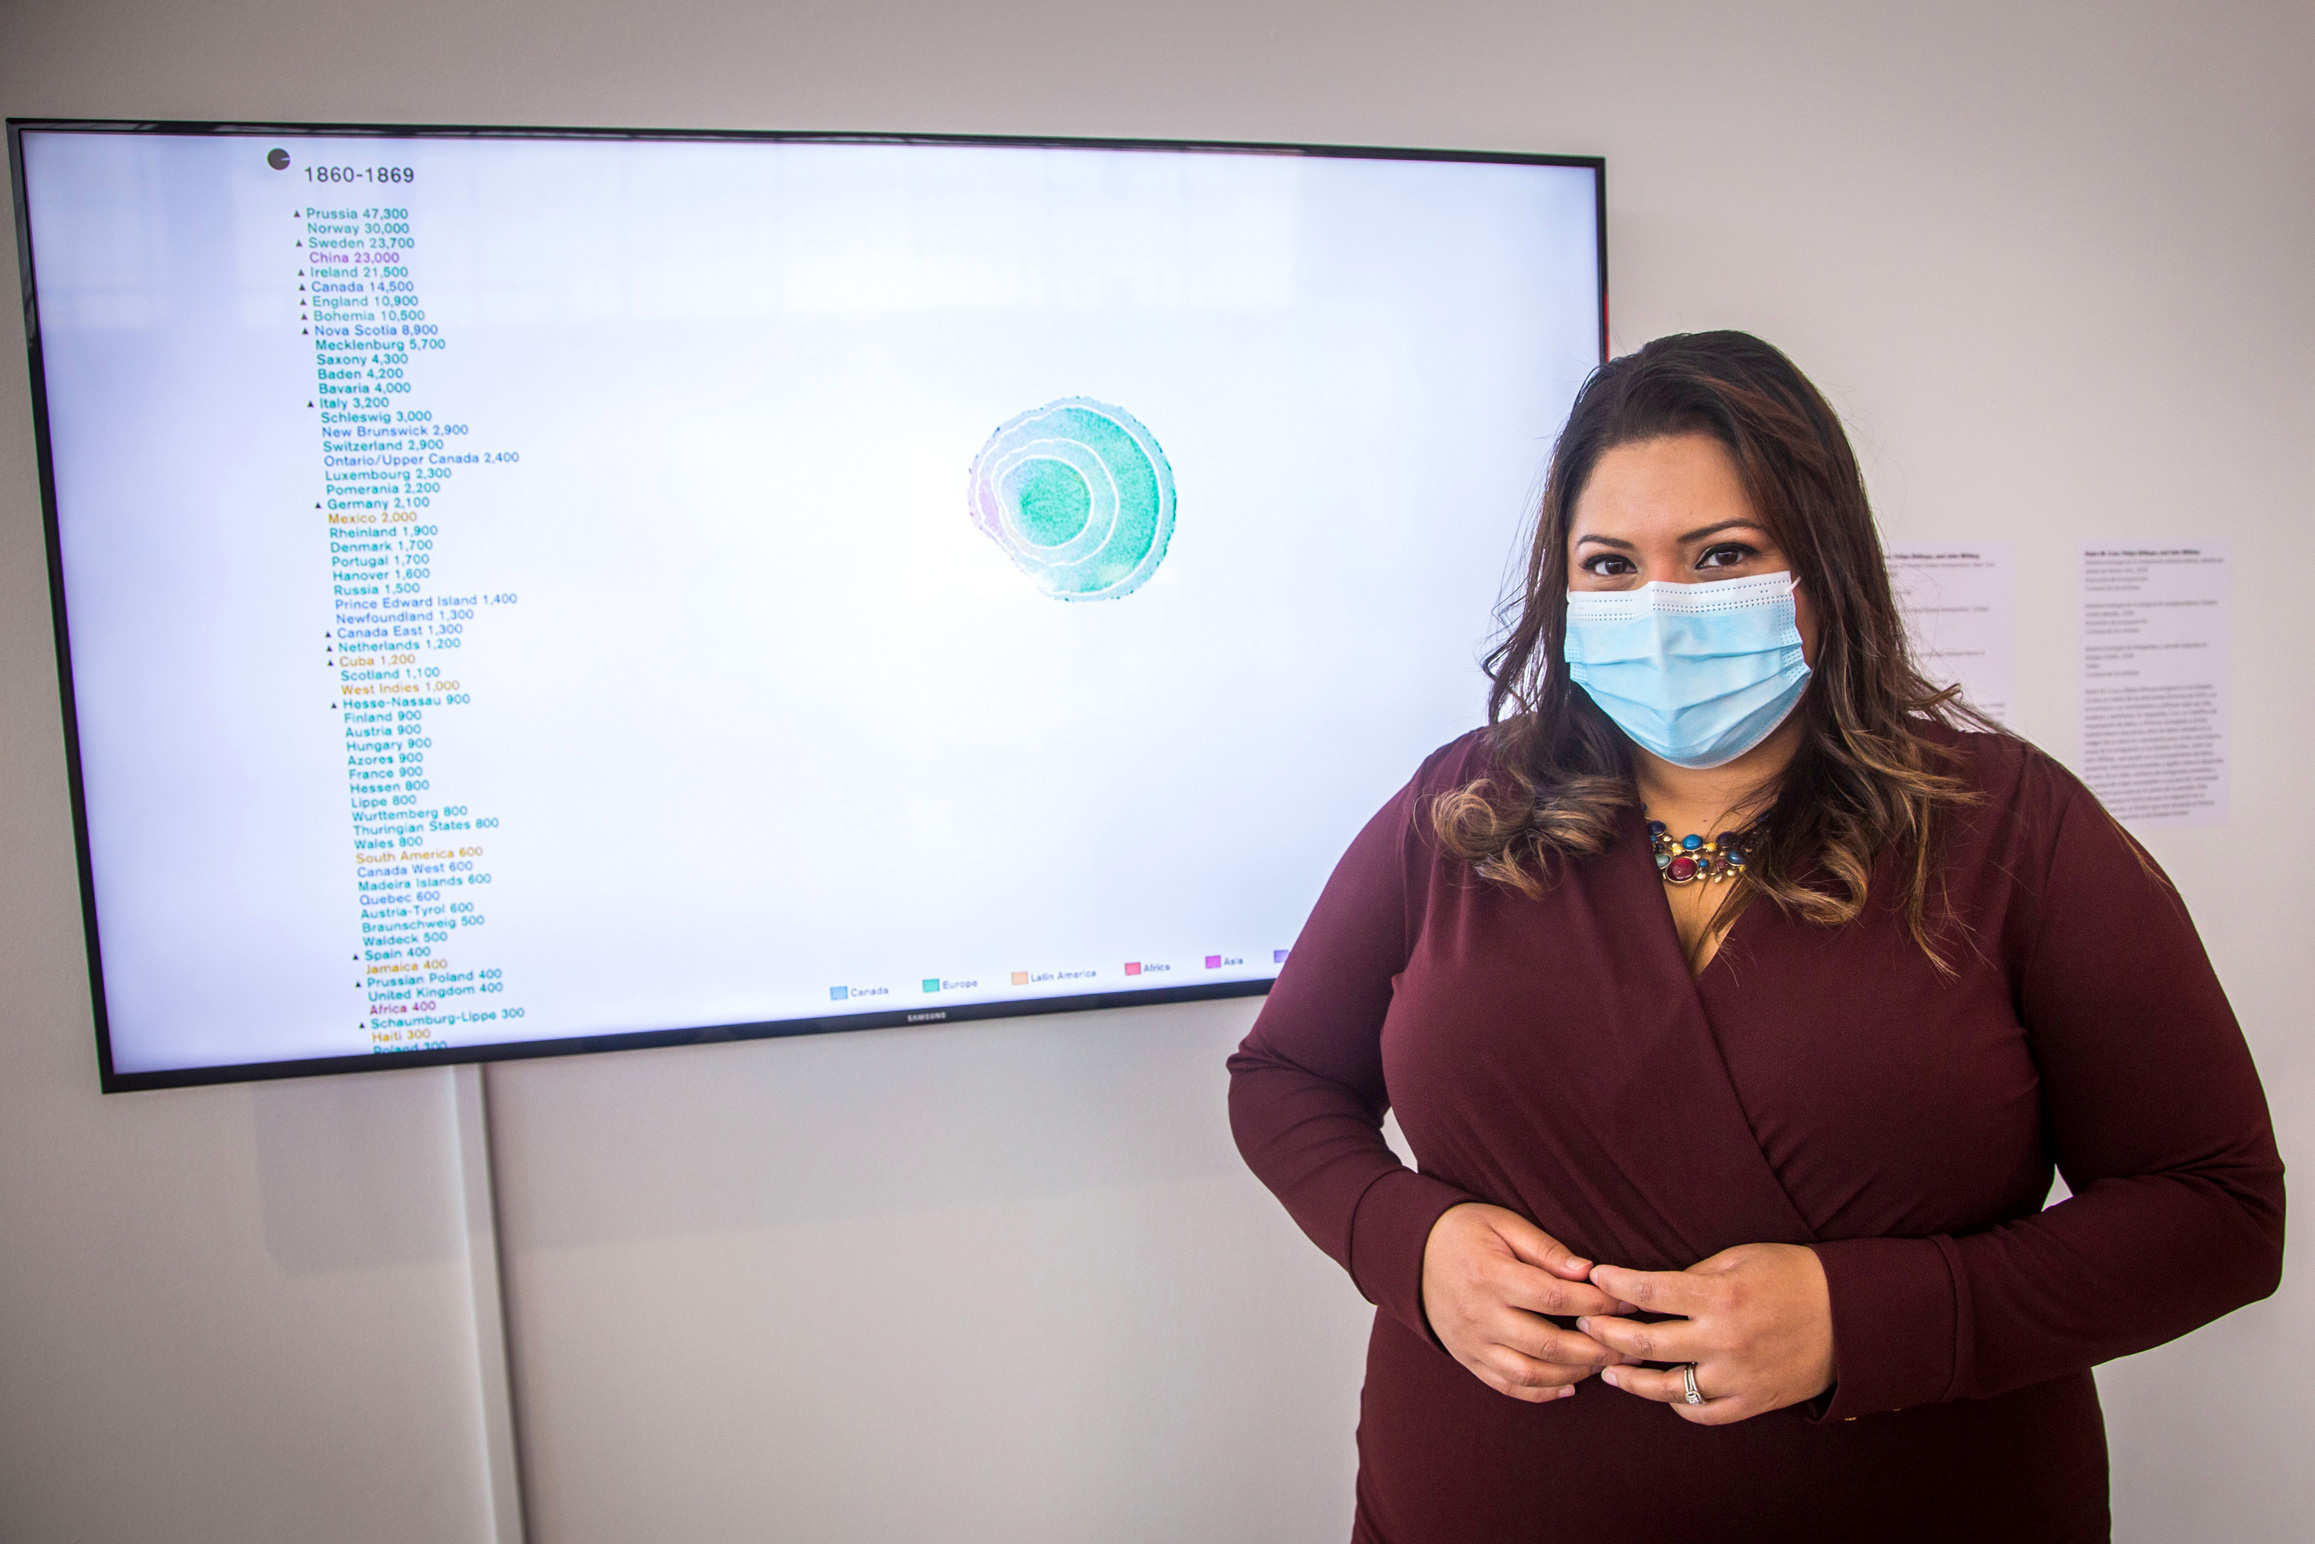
x,y
1756,1320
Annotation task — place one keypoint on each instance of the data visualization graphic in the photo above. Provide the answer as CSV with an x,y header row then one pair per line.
x,y
515,596
1079,495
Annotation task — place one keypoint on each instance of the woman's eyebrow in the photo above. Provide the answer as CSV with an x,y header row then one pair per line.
x,y
1607,541
1725,525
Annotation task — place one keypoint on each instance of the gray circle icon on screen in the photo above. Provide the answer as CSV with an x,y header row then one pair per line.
x,y
277,159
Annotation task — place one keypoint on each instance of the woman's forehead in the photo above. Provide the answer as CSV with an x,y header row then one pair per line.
x,y
1679,488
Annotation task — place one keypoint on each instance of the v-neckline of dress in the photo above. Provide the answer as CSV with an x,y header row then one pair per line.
x,y
1636,829
1679,1041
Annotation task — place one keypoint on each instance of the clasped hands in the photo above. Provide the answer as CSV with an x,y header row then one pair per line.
x,y
1755,1320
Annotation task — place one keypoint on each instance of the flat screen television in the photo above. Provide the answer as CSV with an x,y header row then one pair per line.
x,y
533,591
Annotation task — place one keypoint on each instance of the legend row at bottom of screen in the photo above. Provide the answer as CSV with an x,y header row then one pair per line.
x,y
1142,971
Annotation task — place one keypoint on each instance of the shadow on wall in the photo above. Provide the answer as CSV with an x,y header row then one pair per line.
x,y
358,1171
765,1134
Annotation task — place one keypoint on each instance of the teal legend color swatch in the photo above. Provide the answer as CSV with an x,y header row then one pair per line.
x,y
1080,497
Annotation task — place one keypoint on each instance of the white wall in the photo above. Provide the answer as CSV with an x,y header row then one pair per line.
x,y
1007,1282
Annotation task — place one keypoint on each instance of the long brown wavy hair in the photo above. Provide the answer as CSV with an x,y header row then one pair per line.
x,y
1866,781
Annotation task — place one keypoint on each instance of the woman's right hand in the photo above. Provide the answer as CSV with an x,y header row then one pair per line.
x,y
1489,1277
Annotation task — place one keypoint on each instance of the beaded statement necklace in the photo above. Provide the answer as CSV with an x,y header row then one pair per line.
x,y
1684,860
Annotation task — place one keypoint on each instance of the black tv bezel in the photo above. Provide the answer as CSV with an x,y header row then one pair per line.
x,y
114,1081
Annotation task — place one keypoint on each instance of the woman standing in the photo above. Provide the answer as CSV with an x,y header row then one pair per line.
x,y
1736,991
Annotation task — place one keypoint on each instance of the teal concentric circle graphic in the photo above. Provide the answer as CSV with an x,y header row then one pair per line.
x,y
1079,496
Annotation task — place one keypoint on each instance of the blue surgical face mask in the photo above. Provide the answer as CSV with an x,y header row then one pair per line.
x,y
1697,673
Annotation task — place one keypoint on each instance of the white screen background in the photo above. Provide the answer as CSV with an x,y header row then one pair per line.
x,y
771,714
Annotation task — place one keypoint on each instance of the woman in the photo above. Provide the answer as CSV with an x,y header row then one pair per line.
x,y
1736,990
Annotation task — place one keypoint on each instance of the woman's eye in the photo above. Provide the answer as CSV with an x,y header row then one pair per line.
x,y
1607,565
1727,555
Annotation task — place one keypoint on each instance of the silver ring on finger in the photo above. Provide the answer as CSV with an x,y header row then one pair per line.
x,y
1695,1395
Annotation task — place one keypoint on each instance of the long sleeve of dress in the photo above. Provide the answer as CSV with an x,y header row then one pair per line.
x,y
2152,1111
1306,1090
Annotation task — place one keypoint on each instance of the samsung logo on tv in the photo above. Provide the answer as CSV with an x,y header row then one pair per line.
x,y
926,1018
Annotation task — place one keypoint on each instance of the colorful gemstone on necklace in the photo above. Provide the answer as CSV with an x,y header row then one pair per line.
x,y
1687,859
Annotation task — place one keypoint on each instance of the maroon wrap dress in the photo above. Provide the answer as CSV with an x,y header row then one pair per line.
x,y
1814,1085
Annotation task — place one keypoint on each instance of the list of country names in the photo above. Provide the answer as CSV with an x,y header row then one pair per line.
x,y
390,506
